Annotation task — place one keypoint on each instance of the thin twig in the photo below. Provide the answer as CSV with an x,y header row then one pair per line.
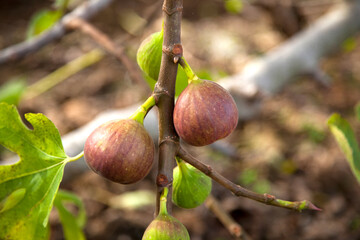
x,y
63,73
233,227
116,50
85,11
243,192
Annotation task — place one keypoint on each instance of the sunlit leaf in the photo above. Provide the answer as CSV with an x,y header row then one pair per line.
x,y
72,224
42,21
346,139
28,187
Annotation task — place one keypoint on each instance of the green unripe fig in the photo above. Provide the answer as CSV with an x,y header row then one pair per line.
x,y
149,55
191,187
165,226
204,113
121,151
149,60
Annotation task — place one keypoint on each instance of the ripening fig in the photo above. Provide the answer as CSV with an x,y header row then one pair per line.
x,y
204,113
191,187
165,226
121,151
149,54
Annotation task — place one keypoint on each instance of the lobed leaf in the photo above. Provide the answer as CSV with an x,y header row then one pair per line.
x,y
28,187
346,139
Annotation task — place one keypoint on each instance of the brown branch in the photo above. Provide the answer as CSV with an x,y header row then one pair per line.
x,y
18,51
116,50
243,192
165,88
233,227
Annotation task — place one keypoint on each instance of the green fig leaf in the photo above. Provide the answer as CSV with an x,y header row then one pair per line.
x,y
346,139
72,225
191,187
12,91
42,21
28,187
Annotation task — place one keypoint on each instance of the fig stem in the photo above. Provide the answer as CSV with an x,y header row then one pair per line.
x,y
189,72
141,112
240,191
163,200
77,157
182,166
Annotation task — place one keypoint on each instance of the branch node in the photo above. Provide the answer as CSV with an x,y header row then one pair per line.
x,y
269,198
162,180
171,139
175,51
171,11
159,91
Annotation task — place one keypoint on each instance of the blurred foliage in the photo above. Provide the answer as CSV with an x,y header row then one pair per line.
x,y
233,6
42,21
251,178
288,167
12,91
72,224
357,110
45,19
349,44
346,139
313,133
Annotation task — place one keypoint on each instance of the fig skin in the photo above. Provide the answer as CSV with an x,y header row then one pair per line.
x,y
149,55
121,151
166,227
191,187
204,113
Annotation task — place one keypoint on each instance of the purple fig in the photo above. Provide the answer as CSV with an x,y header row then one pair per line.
x,y
204,113
121,151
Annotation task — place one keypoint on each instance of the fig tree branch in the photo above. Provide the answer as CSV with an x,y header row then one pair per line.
x,y
116,50
239,191
20,50
165,88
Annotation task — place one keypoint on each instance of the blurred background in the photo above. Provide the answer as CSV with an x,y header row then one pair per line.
x,y
286,149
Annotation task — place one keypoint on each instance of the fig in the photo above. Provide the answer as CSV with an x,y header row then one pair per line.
x,y
165,226
149,54
149,60
190,186
121,151
204,113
